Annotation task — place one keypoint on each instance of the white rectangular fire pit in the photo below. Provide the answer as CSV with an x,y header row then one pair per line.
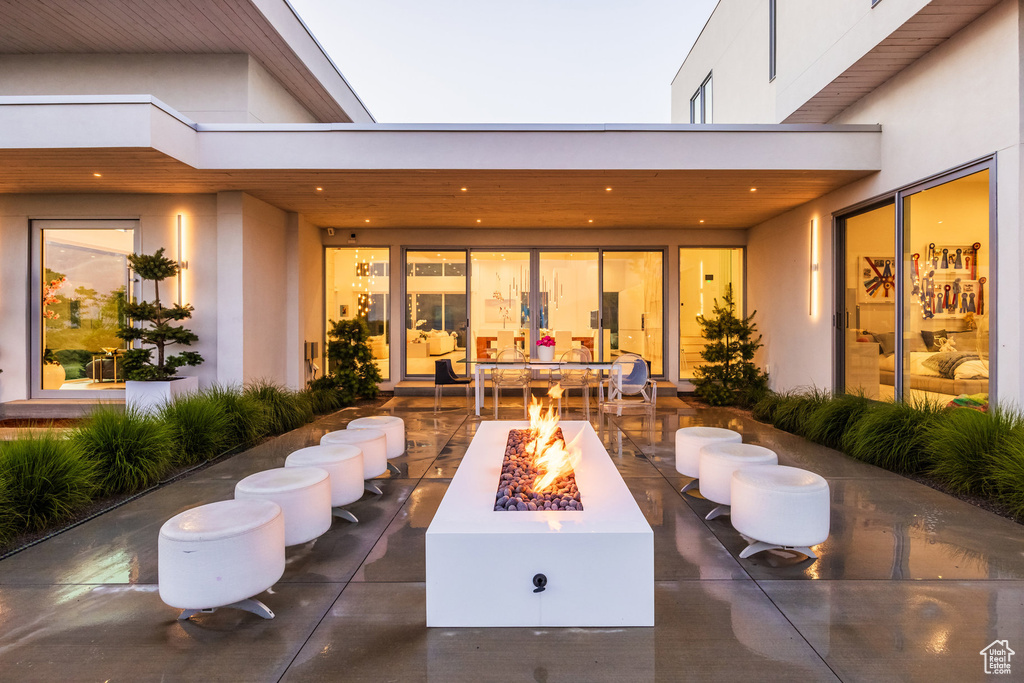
x,y
483,566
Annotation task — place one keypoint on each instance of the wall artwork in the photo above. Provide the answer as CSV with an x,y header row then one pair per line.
x,y
877,279
945,281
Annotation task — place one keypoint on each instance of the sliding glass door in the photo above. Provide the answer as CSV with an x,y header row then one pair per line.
x,y
917,293
436,317
632,297
568,300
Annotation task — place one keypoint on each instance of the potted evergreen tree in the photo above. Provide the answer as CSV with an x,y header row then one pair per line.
x,y
729,375
152,382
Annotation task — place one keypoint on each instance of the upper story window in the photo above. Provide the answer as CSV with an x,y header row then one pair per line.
x,y
771,40
701,103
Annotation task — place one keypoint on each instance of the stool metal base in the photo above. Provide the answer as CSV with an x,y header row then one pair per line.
x,y
719,511
758,546
341,513
372,488
248,605
691,486
394,469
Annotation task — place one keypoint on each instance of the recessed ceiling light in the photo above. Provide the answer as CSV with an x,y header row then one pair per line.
x,y
367,220
464,188
319,189
477,220
753,189
98,175
607,189
591,220
702,220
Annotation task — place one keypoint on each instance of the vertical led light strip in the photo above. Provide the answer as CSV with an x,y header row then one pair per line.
x,y
812,303
182,264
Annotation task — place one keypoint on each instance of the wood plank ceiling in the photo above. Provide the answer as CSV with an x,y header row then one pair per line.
x,y
168,26
930,27
435,199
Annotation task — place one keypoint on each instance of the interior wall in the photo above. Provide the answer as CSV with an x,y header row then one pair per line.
x,y
158,220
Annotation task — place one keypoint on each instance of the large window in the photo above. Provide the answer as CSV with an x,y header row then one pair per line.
x,y
916,316
82,284
701,104
499,302
358,286
704,276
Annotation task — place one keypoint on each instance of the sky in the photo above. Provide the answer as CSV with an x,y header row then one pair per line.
x,y
530,61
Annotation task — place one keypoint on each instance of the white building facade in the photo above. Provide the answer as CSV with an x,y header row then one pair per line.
x,y
238,147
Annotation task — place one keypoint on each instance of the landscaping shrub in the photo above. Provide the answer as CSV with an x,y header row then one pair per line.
x,y
962,447
828,422
893,436
47,480
9,518
324,396
287,410
248,418
1007,471
200,427
132,449
764,409
793,410
351,362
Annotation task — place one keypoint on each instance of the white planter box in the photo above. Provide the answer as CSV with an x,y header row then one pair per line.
x,y
148,397
480,564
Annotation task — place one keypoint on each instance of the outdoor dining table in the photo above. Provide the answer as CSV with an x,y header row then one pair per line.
x,y
482,366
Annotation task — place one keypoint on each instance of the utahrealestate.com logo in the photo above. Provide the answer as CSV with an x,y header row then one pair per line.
x,y
997,657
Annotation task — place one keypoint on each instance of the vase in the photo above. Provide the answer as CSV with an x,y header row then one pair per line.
x,y
53,376
545,353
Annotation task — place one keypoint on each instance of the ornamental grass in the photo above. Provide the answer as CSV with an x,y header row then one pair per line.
x,y
200,428
287,410
46,480
131,449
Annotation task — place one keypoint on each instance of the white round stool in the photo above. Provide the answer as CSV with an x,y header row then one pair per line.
x,y
304,494
372,442
689,441
717,463
220,555
394,432
780,507
344,465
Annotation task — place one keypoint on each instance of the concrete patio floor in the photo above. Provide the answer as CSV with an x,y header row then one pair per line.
x,y
911,585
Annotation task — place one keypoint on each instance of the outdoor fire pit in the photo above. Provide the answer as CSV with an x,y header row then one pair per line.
x,y
588,564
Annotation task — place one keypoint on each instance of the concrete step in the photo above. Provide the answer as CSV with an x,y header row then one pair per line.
x,y
52,408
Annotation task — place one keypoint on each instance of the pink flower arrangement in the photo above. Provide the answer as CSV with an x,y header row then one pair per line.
x,y
546,340
50,297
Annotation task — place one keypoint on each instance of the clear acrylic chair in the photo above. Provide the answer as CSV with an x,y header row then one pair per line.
x,y
574,377
515,376
629,389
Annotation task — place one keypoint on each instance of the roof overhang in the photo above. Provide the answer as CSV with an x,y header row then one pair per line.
x,y
833,82
269,30
673,176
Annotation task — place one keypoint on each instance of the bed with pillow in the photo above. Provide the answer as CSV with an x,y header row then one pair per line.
x,y
961,371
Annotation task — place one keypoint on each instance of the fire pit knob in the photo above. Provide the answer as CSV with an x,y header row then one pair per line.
x,y
540,581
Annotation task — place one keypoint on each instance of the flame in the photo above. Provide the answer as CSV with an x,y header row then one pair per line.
x,y
551,455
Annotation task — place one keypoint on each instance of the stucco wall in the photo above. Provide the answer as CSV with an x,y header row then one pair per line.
x,y
158,219
958,103
214,88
